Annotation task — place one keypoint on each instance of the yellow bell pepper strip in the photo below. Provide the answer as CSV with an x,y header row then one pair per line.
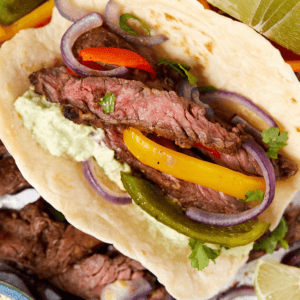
x,y
152,200
189,168
117,56
39,16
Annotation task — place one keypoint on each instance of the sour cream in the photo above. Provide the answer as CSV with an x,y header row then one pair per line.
x,y
61,136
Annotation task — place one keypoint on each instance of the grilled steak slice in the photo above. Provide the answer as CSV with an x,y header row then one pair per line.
x,y
186,193
72,260
11,179
2,149
244,162
34,241
149,110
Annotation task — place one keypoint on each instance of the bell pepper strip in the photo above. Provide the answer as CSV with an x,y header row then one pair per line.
x,y
189,168
152,200
117,56
294,64
39,16
204,3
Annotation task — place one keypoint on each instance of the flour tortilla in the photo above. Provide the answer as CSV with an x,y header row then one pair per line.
x,y
221,52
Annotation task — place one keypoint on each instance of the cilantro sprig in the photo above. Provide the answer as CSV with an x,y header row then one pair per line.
x,y
275,139
254,196
277,236
181,69
108,103
127,28
202,254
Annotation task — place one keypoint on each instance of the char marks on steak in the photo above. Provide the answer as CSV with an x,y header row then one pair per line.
x,y
72,260
187,193
149,110
11,179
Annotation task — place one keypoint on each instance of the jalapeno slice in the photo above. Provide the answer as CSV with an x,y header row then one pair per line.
x,y
152,200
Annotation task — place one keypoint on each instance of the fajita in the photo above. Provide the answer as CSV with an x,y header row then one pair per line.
x,y
220,52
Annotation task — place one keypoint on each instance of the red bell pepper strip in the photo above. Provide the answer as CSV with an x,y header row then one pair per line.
x,y
117,56
212,151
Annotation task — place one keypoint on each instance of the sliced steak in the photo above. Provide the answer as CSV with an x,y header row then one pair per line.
x,y
149,110
11,179
70,259
244,162
185,193
40,244
2,149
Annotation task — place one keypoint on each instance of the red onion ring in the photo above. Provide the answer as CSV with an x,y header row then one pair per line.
x,y
221,95
68,12
112,17
190,92
292,258
84,24
247,127
233,219
231,294
103,191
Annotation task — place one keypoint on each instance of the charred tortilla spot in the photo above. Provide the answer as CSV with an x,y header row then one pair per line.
x,y
209,46
169,17
294,100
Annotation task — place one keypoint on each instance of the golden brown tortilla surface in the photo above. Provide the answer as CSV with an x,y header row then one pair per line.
x,y
223,53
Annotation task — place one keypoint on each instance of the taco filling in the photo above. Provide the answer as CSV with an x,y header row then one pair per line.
x,y
113,84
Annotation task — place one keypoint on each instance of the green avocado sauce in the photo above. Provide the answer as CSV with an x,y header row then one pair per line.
x,y
61,136
13,10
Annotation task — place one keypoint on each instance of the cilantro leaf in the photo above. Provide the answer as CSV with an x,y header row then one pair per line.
x,y
253,196
182,69
275,140
201,254
108,103
277,236
127,28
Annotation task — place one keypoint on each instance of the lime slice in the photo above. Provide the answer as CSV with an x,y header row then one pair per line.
x,y
276,281
278,20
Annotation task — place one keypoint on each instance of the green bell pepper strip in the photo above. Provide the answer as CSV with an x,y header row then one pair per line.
x,y
152,200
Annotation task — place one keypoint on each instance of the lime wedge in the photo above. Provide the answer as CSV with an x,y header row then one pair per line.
x,y
278,20
242,10
276,281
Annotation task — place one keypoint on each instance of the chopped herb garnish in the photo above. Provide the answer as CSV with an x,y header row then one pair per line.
x,y
108,103
206,88
275,139
253,196
277,236
201,254
182,69
127,28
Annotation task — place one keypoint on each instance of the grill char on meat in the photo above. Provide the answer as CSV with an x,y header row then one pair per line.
x,y
149,110
72,260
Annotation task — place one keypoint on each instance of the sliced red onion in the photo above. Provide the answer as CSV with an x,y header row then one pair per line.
x,y
136,289
292,258
233,219
221,95
84,24
112,18
103,191
247,127
190,92
233,293
68,12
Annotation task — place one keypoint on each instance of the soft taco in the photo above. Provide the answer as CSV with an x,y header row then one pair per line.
x,y
221,53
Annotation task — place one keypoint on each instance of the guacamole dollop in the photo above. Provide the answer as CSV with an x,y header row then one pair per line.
x,y
61,136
